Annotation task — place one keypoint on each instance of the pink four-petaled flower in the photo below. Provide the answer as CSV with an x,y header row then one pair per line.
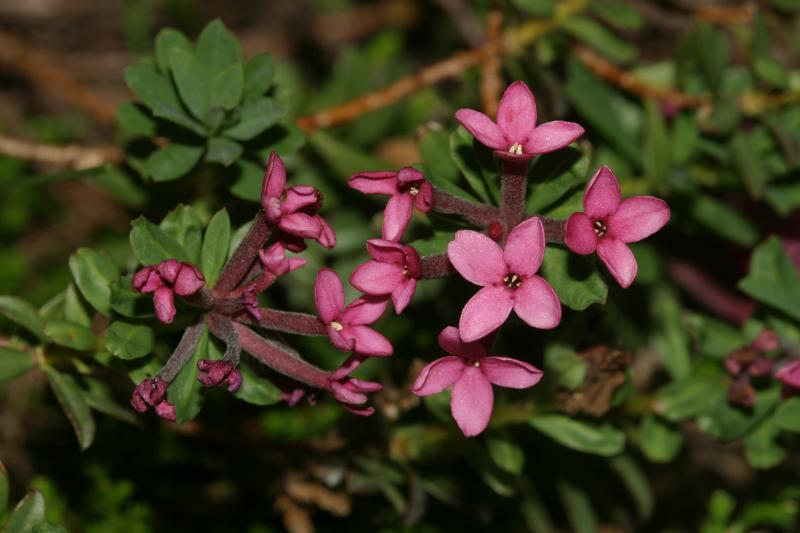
x,y
608,223
347,326
515,136
508,278
472,373
408,188
394,271
166,279
294,209
789,375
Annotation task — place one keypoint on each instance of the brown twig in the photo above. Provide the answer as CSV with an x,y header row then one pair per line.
x,y
727,15
69,155
464,19
491,82
337,28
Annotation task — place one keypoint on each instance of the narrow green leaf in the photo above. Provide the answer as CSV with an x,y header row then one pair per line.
x,y
657,154
637,484
622,15
173,161
578,507
581,436
3,488
726,422
761,447
749,164
185,391
120,185
724,220
129,341
773,279
215,246
21,312
257,390
28,513
576,282
93,274
554,175
47,527
166,40
222,150
13,363
604,42
672,338
192,82
69,334
344,158
506,454
463,154
787,416
258,72
254,118
185,226
660,442
688,397
227,86
217,47
70,396
152,245
134,121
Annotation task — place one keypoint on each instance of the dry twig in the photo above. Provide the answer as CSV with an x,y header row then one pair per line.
x,y
70,155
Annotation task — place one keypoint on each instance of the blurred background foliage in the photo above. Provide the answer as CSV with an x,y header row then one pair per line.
x,y
632,428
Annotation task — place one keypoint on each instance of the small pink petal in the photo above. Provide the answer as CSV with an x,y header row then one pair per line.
x,y
789,375
169,269
424,199
368,341
450,341
482,128
484,313
525,247
408,176
189,280
402,295
164,304
301,197
472,401
146,280
512,157
348,367
345,395
301,225
476,257
385,251
327,237
579,235
511,373
438,375
377,278
552,136
166,411
328,295
274,178
602,196
364,310
537,304
619,260
396,216
274,260
374,182
638,218
516,113
339,340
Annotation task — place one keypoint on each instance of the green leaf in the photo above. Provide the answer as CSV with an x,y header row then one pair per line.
x,y
787,416
13,363
3,488
463,153
134,121
603,440
70,396
129,341
69,334
254,118
685,131
577,284
433,245
341,156
47,527
724,220
660,442
151,244
657,155
771,72
93,274
192,82
637,484
257,390
773,279
672,338
566,367
173,161
185,390
217,48
554,175
185,226
258,72
166,40
506,454
604,42
120,185
100,398
714,54
688,397
761,447
28,513
749,164
440,169
222,150
619,14
227,87
248,180
725,421
578,507
215,246
21,312
537,8
129,303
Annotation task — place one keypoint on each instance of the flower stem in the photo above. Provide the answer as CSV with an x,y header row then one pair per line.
x,y
183,352
222,327
247,251
513,186
288,322
435,266
449,204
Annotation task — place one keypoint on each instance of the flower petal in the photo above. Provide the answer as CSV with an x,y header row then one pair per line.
x,y
169,270
619,260
339,341
348,366
374,277
396,216
482,128
525,247
789,375
364,310
579,235
552,136
301,225
402,294
438,375
163,301
484,313
327,237
511,373
602,196
476,257
328,295
638,218
424,199
472,401
536,303
516,113
368,341
450,341
189,280
385,251
274,178
301,197
512,157
374,182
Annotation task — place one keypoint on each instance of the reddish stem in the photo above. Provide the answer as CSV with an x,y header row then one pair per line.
x,y
435,266
513,186
449,204
287,322
247,252
183,352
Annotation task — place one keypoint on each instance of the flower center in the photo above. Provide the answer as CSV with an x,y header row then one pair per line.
x,y
516,148
413,190
405,270
336,326
600,228
512,281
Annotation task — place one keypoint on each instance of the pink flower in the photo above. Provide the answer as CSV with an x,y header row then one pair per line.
x,y
515,136
472,374
219,372
347,326
508,278
608,223
294,209
394,271
408,188
152,392
166,279
790,374
274,260
352,393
